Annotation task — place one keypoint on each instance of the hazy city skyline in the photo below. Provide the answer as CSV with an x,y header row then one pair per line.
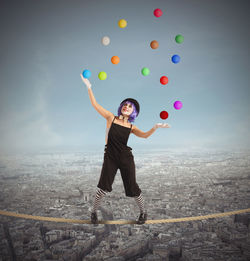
x,y
174,185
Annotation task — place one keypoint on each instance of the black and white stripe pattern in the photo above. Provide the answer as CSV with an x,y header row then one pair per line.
x,y
140,202
98,196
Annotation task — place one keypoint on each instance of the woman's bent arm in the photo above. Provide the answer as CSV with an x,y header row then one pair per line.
x,y
145,135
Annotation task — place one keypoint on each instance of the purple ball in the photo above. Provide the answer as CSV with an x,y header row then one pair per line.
x,y
178,105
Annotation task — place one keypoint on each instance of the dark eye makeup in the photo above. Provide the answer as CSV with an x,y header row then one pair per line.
x,y
129,105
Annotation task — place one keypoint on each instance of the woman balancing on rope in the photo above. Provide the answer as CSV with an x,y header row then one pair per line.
x,y
117,154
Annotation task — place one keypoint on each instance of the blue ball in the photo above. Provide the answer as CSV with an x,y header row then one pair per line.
x,y
86,74
176,58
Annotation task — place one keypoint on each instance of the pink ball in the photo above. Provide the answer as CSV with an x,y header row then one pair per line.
x,y
157,12
178,105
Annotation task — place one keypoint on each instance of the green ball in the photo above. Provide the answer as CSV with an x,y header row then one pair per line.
x,y
102,75
179,38
145,71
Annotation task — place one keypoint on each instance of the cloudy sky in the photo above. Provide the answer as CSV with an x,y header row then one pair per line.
x,y
45,45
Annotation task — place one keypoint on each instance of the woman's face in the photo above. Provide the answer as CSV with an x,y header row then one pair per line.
x,y
127,109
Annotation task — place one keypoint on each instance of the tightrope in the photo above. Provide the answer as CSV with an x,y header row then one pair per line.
x,y
120,222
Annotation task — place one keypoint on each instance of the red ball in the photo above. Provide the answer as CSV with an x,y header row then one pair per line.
x,y
157,12
164,115
164,80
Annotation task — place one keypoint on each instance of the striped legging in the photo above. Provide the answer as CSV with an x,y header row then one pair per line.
x,y
101,193
98,197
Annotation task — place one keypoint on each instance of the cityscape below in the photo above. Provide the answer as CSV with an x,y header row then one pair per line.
x,y
174,184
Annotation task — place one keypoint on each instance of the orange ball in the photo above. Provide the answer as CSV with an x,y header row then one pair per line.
x,y
154,44
115,59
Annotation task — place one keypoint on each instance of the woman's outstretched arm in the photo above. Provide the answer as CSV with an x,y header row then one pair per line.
x,y
105,113
145,135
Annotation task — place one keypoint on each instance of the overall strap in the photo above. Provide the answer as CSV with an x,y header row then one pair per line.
x,y
113,120
131,127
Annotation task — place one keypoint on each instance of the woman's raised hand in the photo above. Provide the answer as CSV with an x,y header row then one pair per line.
x,y
161,125
86,82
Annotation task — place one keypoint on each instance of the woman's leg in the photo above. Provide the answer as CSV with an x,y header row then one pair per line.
x,y
106,180
131,187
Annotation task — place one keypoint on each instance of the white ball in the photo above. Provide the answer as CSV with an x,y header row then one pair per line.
x,y
105,40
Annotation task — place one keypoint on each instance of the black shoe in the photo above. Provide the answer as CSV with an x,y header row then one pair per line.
x,y
142,218
94,219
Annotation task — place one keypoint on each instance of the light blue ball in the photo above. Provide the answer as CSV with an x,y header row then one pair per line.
x,y
176,58
86,74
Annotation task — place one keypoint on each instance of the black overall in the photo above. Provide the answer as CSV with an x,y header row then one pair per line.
x,y
119,156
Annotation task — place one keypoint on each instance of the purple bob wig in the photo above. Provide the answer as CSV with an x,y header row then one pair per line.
x,y
133,115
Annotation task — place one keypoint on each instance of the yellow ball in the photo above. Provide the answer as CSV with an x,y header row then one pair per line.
x,y
122,23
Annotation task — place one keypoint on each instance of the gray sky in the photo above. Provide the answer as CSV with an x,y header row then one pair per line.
x,y
45,45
